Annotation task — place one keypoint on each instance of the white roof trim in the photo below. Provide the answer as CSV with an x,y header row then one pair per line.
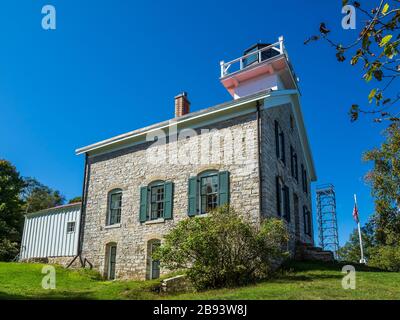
x,y
199,115
54,209
177,121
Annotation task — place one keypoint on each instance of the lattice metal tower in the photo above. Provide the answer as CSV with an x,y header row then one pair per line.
x,y
327,221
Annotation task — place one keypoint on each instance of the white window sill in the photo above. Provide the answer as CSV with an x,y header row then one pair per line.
x,y
156,221
202,215
113,226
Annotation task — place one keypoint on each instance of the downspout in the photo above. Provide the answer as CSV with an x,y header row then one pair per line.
x,y
259,158
81,222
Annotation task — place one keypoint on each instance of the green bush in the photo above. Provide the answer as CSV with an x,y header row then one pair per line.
x,y
385,257
222,250
8,250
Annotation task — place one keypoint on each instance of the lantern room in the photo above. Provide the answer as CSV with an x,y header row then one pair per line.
x,y
262,67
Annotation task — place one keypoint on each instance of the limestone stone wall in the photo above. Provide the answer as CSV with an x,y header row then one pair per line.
x,y
176,284
62,261
271,167
65,261
128,169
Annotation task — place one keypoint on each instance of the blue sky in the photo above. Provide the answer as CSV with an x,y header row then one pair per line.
x,y
113,66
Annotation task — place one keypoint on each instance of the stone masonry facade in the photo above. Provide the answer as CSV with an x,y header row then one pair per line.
x,y
273,167
129,170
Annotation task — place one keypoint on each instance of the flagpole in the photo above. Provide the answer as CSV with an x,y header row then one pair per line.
x,y
362,260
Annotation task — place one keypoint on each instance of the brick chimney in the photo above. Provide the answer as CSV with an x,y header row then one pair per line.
x,y
182,105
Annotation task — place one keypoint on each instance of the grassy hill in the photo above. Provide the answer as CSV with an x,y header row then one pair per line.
x,y
297,281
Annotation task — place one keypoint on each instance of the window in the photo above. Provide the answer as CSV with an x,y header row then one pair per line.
x,y
291,122
279,143
282,199
114,207
252,58
156,201
154,264
286,198
307,221
304,179
208,191
111,260
293,164
71,227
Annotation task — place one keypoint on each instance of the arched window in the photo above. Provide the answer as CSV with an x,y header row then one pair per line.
x,y
156,201
156,196
283,199
209,187
114,207
207,191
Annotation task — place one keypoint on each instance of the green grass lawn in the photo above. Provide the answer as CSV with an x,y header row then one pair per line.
x,y
298,281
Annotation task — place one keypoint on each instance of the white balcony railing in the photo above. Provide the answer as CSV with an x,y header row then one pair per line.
x,y
256,57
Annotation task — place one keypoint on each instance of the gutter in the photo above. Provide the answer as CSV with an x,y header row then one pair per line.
x,y
82,218
259,158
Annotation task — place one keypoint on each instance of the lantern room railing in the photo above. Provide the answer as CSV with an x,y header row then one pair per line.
x,y
239,64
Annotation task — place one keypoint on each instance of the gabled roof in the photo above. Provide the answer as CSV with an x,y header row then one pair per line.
x,y
213,114
186,118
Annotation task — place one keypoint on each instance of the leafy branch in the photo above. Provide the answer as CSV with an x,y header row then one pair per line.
x,y
376,48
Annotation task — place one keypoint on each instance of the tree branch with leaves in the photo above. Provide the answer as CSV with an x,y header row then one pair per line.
x,y
377,49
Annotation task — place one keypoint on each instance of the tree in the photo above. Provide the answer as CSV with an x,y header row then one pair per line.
x,y
222,250
350,252
377,48
11,215
37,196
384,179
75,199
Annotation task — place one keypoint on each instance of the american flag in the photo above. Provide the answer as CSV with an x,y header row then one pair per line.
x,y
355,213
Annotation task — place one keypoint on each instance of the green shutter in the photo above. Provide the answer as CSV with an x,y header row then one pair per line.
x,y
277,139
287,204
305,219
278,197
283,156
168,199
192,196
143,204
223,196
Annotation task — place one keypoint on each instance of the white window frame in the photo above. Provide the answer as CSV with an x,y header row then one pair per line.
x,y
110,194
158,183
71,223
205,174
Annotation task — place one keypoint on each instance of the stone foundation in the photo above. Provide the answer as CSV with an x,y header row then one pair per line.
x,y
176,284
65,261
62,261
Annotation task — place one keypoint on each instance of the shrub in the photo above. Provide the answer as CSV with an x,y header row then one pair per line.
x,y
8,250
385,257
222,250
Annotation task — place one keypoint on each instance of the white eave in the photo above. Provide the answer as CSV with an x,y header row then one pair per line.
x,y
54,209
193,116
